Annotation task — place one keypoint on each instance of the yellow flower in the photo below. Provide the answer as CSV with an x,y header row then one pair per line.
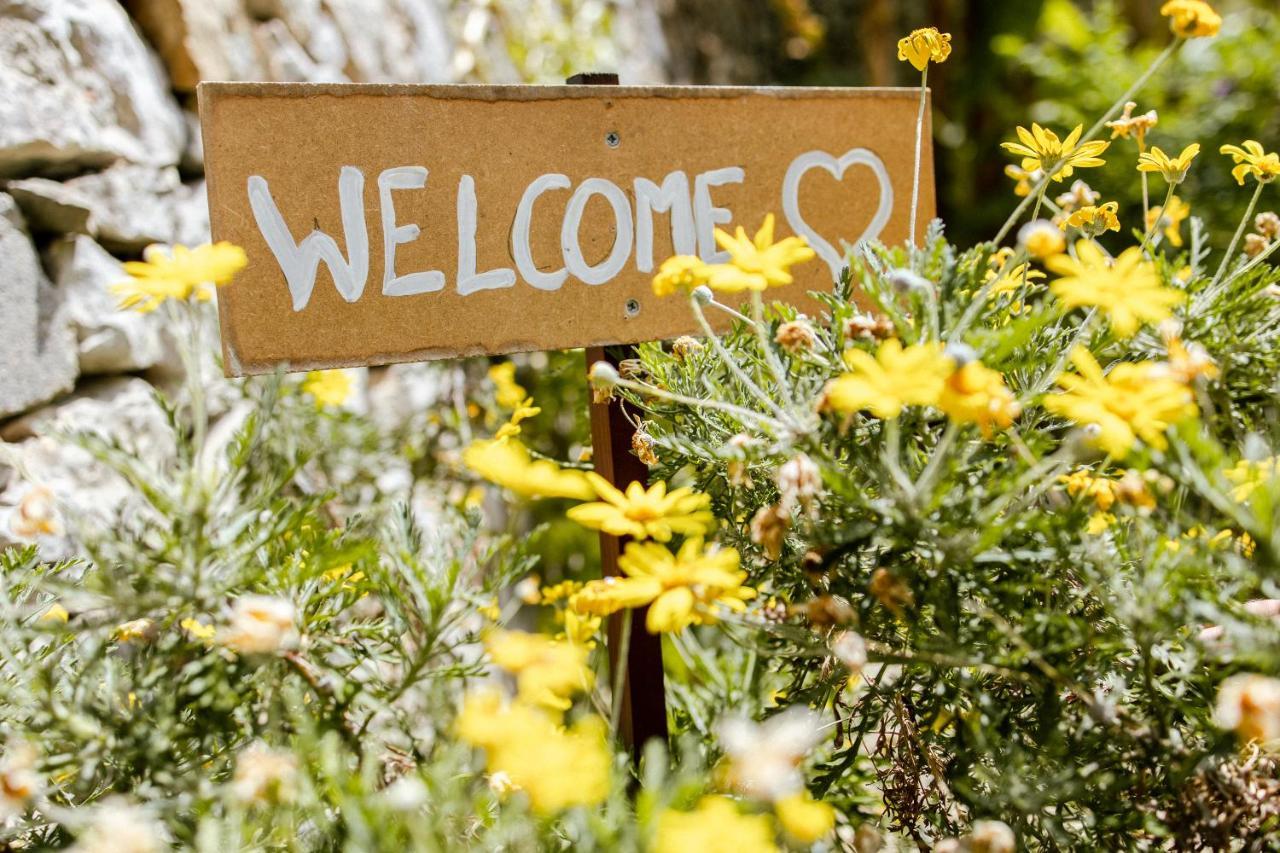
x,y
1191,18
1042,239
56,613
556,767
1252,160
641,513
975,394
759,263
889,381
548,673
716,826
1133,125
681,272
1082,483
683,588
136,629
198,630
327,387
805,819
1095,219
507,463
1172,219
522,412
1247,475
1172,169
1011,280
1024,179
1040,148
1135,401
509,395
924,46
1128,290
180,273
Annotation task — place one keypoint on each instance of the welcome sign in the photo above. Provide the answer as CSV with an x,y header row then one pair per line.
x,y
405,223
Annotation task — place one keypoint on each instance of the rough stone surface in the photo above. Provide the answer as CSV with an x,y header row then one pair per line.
x,y
88,495
37,346
126,208
110,340
200,39
79,89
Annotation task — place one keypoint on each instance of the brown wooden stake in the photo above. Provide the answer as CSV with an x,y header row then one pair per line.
x,y
643,714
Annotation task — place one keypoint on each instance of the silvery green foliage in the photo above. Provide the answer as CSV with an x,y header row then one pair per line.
x,y
1022,668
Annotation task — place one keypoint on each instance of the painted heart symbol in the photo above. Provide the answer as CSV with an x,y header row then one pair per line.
x,y
837,168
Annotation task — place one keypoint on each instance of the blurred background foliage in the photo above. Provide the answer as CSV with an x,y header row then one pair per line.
x,y
1057,62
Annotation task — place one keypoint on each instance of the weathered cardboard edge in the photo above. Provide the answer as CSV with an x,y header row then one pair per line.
x,y
537,92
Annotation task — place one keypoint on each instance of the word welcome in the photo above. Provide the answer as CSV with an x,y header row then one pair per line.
x,y
689,205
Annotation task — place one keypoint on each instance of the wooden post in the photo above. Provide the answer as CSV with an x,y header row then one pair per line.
x,y
644,707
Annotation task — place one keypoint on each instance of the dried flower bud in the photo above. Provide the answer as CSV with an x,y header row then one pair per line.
x,y
684,347
642,446
265,775
799,482
827,611
1267,224
631,368
1080,195
864,326
795,336
1255,244
768,530
890,591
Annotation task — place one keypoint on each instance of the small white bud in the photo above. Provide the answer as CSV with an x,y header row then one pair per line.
x,y
703,295
603,375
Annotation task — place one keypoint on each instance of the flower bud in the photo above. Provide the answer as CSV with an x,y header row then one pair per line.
x,y
703,295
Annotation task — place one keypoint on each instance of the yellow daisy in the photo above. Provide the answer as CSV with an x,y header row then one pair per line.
x,y
1040,148
177,273
640,513
1127,289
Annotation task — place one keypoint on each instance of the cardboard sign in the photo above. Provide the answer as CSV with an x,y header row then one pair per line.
x,y
405,223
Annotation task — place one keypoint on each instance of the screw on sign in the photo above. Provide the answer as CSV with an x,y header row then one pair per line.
x,y
388,223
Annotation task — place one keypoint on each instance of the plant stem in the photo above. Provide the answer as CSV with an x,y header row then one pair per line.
x,y
745,416
770,357
934,465
1235,241
1155,66
1155,225
620,672
732,363
915,181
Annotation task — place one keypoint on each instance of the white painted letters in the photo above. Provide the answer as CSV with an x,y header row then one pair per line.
x,y
521,227
572,249
402,178
300,261
707,215
469,281
672,197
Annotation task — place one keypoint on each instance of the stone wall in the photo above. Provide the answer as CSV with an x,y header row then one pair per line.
x,y
100,157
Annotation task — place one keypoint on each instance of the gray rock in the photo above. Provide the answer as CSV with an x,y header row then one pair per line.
x,y
200,39
37,345
79,89
89,497
110,340
126,208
